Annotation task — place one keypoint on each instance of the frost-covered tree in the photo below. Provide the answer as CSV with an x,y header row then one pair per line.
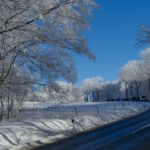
x,y
91,88
143,35
60,92
111,90
19,86
67,92
14,91
26,26
145,63
39,36
132,77
97,89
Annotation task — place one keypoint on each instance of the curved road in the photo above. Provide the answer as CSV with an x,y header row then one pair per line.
x,y
128,134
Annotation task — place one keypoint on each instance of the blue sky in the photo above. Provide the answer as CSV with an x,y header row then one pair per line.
x,y
112,37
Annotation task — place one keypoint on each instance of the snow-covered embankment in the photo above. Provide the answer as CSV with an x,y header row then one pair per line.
x,y
30,133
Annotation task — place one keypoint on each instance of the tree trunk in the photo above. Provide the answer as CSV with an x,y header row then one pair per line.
x,y
97,95
1,104
93,96
1,109
131,90
149,86
126,87
21,103
8,107
137,87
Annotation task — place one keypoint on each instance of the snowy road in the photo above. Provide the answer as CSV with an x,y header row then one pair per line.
x,y
128,134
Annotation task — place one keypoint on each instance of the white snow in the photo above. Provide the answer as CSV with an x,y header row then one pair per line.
x,y
31,133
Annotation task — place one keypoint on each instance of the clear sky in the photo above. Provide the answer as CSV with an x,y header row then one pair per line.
x,y
112,37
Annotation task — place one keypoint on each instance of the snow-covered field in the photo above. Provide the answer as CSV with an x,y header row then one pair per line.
x,y
33,132
47,110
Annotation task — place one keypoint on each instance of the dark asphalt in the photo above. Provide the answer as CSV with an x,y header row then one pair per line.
x,y
128,134
139,140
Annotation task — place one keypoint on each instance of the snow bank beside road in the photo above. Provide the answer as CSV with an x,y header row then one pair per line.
x,y
28,134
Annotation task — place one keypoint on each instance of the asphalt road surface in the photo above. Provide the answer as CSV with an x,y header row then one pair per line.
x,y
128,134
